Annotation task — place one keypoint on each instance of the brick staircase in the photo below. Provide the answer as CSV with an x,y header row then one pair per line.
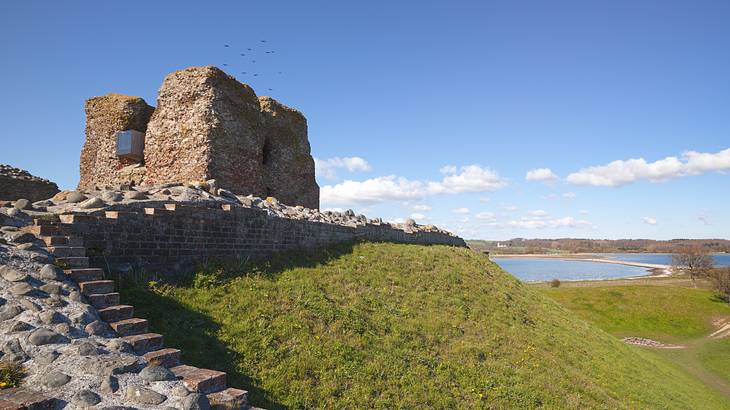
x,y
70,254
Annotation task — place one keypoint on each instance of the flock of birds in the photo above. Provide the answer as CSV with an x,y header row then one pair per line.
x,y
248,57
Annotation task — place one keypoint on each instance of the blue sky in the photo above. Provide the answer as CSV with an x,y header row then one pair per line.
x,y
444,106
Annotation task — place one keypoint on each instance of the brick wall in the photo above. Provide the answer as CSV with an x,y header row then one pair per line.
x,y
177,237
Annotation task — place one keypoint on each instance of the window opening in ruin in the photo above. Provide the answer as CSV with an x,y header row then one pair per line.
x,y
266,153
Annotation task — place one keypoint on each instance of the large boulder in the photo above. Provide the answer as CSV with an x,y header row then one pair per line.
x,y
16,184
105,116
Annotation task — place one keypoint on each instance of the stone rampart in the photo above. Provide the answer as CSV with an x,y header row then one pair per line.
x,y
16,184
178,236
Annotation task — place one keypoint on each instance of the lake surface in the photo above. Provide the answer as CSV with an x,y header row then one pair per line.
x,y
535,269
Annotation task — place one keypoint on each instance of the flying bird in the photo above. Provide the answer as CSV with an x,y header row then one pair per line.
x,y
263,41
242,55
225,65
226,45
255,75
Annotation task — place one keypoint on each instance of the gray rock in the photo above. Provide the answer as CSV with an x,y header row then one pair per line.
x,y
12,275
118,408
8,228
45,336
196,401
120,345
28,305
41,257
86,398
20,326
135,195
111,196
75,197
29,246
75,296
51,272
83,318
55,301
51,317
20,237
87,349
10,311
14,352
22,204
13,212
56,379
21,289
156,374
97,328
51,288
92,203
180,391
144,395
109,384
63,329
46,358
123,365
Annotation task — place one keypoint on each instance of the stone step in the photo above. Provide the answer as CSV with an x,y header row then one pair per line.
x,y
63,251
85,274
129,327
62,240
200,380
104,300
164,357
21,398
146,342
44,230
97,287
229,398
116,313
74,261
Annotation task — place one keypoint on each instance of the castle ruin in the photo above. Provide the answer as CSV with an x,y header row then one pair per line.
x,y
206,125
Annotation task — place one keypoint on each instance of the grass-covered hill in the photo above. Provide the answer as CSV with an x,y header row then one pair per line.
x,y
403,326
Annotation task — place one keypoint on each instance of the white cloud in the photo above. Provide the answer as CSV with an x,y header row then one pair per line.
x,y
541,174
422,208
328,167
486,216
509,208
569,195
371,191
622,172
534,223
448,169
484,199
472,178
418,216
649,220
461,210
538,213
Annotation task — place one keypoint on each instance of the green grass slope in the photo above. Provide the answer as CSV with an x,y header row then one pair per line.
x,y
403,326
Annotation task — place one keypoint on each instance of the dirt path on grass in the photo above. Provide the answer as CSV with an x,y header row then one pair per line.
x,y
686,356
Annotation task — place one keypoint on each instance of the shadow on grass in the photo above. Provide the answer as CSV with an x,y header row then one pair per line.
x,y
195,333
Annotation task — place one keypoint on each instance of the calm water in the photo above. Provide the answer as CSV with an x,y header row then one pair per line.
x,y
532,269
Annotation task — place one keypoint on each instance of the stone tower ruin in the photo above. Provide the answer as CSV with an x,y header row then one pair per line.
x,y
206,125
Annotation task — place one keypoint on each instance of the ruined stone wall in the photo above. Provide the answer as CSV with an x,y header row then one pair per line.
x,y
16,184
207,125
179,237
105,116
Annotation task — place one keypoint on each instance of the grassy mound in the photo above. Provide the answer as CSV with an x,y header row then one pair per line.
x,y
403,326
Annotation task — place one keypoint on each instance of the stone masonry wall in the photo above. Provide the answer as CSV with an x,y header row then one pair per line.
x,y
105,116
179,236
16,184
